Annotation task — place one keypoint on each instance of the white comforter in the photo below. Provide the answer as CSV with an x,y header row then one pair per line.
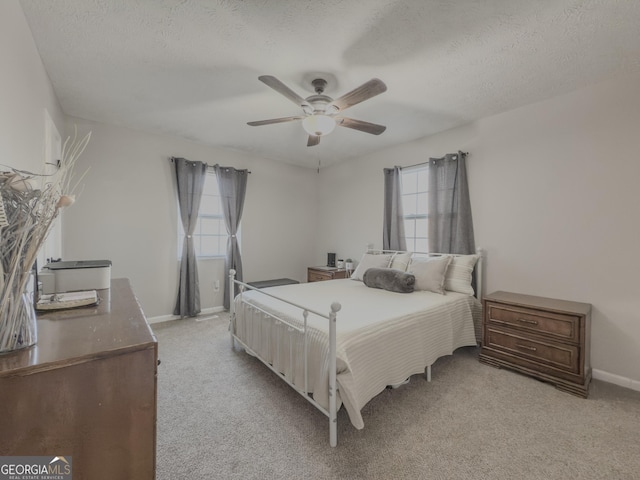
x,y
382,337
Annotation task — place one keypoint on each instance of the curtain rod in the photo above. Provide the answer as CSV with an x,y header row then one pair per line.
x,y
171,159
425,163
211,166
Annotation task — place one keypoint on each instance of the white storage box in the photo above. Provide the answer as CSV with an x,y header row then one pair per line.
x,y
80,275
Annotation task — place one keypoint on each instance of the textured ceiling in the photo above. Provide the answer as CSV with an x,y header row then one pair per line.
x,y
190,67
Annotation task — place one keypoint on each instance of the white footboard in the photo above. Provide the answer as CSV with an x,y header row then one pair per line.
x,y
301,328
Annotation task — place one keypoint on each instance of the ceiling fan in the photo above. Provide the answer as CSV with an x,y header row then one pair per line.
x,y
321,112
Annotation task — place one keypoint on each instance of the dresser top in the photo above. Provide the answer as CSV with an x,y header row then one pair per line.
x,y
65,337
549,304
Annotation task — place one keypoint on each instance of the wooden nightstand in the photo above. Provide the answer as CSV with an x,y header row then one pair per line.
x,y
319,274
543,337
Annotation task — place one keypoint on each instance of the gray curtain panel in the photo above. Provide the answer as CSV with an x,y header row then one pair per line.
x,y
393,222
232,184
190,182
449,208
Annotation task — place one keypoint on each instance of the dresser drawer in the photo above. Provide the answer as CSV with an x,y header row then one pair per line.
x,y
557,355
564,327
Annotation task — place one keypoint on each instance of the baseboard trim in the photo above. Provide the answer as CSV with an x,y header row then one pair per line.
x,y
616,379
203,313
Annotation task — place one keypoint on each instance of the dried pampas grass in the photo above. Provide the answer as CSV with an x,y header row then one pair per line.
x,y
26,217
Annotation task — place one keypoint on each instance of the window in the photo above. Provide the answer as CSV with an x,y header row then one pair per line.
x,y
210,234
415,184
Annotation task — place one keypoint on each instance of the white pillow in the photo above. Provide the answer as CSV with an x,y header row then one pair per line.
x,y
459,274
368,261
430,272
400,261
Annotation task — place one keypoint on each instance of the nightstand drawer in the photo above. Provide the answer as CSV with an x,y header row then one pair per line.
x,y
557,355
318,276
546,338
565,327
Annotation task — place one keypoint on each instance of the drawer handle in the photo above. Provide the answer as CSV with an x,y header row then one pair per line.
x,y
526,320
526,347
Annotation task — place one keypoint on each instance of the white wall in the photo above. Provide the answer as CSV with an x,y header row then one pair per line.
x,y
127,213
554,190
25,92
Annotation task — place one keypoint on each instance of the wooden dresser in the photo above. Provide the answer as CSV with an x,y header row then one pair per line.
x,y
86,390
319,274
543,337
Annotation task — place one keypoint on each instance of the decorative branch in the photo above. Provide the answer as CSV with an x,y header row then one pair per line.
x,y
26,217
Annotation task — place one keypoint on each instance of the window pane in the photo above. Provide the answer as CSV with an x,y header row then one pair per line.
x,y
421,245
423,180
421,203
409,228
415,184
209,226
210,185
210,234
216,207
196,243
409,205
409,182
209,205
421,228
209,245
409,244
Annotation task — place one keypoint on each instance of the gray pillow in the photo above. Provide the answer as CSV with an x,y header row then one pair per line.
x,y
389,279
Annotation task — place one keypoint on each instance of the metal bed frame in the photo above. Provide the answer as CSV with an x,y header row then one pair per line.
x,y
331,317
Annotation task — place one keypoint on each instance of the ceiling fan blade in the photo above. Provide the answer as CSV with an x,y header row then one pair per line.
x,y
275,120
282,89
372,128
313,140
364,92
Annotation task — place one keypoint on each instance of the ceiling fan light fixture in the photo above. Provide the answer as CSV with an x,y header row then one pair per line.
x,y
318,125
321,111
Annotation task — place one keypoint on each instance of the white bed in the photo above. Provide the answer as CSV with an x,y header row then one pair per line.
x,y
380,338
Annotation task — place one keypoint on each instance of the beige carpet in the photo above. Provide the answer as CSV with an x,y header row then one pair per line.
x,y
224,415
